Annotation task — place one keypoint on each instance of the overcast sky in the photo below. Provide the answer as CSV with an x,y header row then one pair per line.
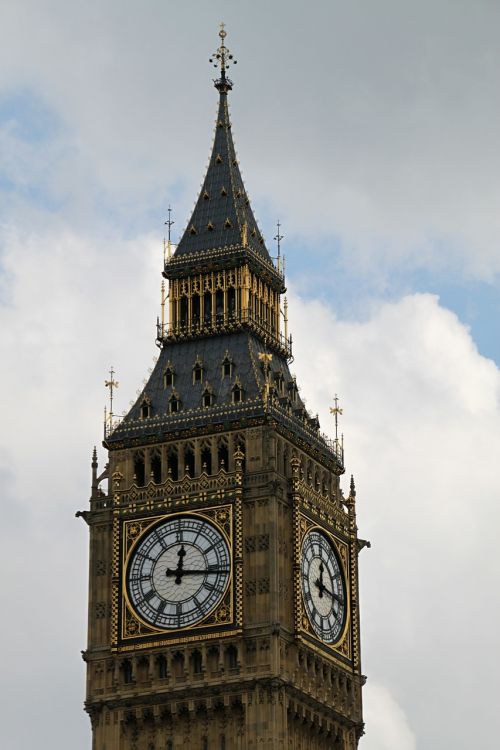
x,y
371,130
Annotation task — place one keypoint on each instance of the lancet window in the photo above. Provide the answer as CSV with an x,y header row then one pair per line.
x,y
139,469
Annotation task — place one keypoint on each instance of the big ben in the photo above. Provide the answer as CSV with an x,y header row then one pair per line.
x,y
223,581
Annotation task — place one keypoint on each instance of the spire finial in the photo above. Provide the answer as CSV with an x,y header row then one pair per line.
x,y
168,224
339,444
111,384
222,58
278,237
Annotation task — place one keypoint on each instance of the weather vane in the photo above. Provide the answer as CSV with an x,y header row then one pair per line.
x,y
336,411
222,56
111,384
168,223
278,239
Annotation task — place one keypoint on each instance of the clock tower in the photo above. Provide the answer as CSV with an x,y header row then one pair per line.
x,y
223,582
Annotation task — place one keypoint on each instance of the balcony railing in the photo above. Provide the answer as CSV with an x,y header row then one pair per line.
x,y
225,322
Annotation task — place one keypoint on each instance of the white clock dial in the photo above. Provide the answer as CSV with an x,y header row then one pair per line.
x,y
178,572
323,587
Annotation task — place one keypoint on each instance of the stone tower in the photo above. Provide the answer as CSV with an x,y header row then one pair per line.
x,y
223,582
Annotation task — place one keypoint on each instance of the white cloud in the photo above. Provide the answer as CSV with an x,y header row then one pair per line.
x,y
387,724
422,424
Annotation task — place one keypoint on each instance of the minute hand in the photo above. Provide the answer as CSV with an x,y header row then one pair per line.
x,y
332,594
185,572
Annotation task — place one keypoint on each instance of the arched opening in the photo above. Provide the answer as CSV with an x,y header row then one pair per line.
x,y
161,664
139,470
197,373
178,665
207,308
206,460
168,377
231,303
195,310
184,312
173,464
156,468
231,657
213,660
223,455
207,398
219,306
127,671
189,461
196,662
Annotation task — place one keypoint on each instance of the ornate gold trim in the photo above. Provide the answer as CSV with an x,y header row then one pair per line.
x,y
128,625
343,646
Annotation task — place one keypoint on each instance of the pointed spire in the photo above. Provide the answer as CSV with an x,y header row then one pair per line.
x,y
94,472
222,217
352,487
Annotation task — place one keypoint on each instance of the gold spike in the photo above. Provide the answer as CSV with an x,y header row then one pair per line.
x,y
218,159
206,196
228,224
210,226
223,191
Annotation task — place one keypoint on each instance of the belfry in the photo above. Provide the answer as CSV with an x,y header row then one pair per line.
x,y
223,579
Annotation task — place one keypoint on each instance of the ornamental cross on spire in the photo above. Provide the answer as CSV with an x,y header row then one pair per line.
x,y
111,384
336,411
222,57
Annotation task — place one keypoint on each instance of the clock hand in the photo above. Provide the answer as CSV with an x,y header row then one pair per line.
x,y
179,570
170,572
333,595
319,581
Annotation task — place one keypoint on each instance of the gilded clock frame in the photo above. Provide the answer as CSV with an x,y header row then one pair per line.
x,y
342,648
225,619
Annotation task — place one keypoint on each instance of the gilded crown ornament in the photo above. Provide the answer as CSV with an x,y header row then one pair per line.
x,y
222,58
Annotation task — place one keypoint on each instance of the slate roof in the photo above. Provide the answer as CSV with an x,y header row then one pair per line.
x,y
243,350
223,208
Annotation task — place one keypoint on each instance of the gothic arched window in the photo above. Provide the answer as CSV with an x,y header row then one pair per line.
x,y
197,372
168,377
127,671
207,397
156,467
197,662
173,464
145,407
174,403
206,459
162,666
139,469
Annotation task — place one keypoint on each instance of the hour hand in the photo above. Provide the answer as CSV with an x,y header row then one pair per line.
x,y
321,586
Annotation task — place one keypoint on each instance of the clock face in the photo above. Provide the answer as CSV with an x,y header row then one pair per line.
x,y
178,572
323,587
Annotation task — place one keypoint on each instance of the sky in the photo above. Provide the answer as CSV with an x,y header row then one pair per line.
x,y
370,130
